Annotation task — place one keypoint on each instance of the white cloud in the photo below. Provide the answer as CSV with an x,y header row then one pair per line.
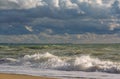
x,y
69,38
67,4
20,4
27,3
29,28
80,15
91,1
66,7
113,26
52,3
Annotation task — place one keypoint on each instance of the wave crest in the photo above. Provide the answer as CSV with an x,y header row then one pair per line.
x,y
80,63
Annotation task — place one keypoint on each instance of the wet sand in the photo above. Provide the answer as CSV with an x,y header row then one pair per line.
x,y
15,76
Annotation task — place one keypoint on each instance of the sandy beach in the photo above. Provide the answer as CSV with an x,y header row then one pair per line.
x,y
16,76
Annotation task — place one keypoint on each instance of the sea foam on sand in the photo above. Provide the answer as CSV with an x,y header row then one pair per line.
x,y
61,67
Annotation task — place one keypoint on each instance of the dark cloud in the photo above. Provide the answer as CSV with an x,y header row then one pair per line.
x,y
62,16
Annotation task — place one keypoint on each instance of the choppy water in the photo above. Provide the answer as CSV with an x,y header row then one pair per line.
x,y
98,61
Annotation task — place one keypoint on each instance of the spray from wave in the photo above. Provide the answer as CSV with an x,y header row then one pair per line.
x,y
80,63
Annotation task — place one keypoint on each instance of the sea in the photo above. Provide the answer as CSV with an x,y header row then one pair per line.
x,y
63,61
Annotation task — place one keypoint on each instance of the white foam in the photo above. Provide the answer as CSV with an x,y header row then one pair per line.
x,y
46,60
80,63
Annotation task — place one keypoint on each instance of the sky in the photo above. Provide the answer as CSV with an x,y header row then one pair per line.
x,y
60,21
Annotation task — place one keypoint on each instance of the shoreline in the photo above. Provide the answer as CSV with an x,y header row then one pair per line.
x,y
21,76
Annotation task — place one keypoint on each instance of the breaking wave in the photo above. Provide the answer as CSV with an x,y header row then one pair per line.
x,y
80,63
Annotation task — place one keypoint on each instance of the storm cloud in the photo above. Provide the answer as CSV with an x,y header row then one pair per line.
x,y
61,16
